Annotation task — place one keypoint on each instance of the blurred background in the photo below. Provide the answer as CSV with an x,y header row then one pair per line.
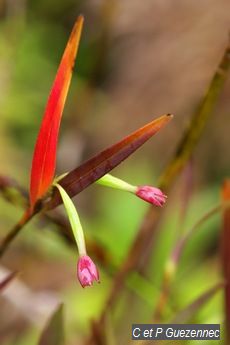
x,y
137,60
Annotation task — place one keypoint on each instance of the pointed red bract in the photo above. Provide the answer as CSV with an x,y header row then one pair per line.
x,y
44,159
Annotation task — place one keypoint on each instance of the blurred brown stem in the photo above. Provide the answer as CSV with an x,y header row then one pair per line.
x,y
192,135
13,192
177,251
225,256
163,298
14,231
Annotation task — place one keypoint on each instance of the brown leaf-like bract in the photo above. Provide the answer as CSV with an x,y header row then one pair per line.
x,y
102,163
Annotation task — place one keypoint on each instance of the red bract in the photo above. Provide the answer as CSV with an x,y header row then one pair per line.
x,y
44,158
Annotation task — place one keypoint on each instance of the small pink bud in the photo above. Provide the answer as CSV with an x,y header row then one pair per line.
x,y
86,271
151,194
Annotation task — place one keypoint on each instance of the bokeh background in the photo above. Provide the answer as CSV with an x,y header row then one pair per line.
x,y
137,60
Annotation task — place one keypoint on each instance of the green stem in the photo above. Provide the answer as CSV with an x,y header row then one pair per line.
x,y
116,183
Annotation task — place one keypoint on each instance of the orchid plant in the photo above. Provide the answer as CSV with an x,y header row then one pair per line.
x,y
47,192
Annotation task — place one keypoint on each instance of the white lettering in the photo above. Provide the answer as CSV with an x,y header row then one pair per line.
x,y
217,333
169,332
135,334
159,331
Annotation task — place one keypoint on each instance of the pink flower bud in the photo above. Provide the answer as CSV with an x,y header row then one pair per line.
x,y
151,194
86,271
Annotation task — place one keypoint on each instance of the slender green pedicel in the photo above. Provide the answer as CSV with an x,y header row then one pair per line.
x,y
114,182
74,220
